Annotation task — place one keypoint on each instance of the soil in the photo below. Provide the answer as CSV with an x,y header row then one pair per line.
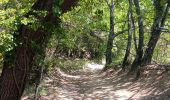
x,y
92,84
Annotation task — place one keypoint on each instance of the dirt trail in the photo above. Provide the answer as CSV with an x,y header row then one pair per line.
x,y
90,84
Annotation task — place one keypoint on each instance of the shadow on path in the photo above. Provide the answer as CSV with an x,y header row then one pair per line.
x,y
90,84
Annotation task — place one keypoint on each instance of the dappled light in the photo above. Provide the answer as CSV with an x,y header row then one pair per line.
x,y
94,85
84,50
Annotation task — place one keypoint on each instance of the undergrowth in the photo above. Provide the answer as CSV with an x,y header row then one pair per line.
x,y
66,65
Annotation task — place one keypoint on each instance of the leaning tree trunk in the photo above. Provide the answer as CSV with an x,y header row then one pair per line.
x,y
111,35
125,60
18,63
138,58
16,69
159,21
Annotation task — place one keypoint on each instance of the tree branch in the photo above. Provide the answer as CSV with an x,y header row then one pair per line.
x,y
108,3
120,32
164,30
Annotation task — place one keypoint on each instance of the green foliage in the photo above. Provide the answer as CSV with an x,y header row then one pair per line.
x,y
11,16
56,7
84,29
66,65
84,18
78,28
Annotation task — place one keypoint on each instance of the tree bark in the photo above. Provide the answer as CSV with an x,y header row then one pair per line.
x,y
125,60
159,21
139,55
15,72
17,65
110,36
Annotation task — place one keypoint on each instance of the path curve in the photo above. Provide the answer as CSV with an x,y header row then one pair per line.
x,y
90,84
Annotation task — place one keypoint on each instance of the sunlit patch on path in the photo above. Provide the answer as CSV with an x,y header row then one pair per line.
x,y
93,67
123,94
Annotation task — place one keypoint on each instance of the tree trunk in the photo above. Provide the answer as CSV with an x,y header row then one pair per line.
x,y
159,22
111,35
125,60
17,65
15,71
138,58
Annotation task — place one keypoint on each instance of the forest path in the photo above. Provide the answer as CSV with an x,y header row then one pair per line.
x,y
86,84
90,84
